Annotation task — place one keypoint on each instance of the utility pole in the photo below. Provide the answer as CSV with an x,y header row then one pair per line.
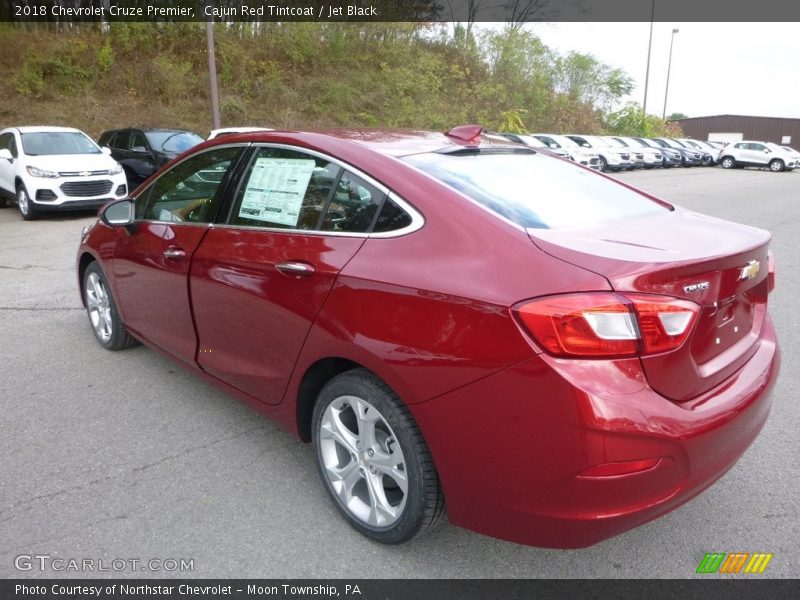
x,y
669,68
212,74
649,49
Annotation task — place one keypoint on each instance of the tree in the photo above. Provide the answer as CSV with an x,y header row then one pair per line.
x,y
677,116
632,120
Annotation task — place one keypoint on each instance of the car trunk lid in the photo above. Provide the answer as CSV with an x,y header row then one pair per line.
x,y
721,266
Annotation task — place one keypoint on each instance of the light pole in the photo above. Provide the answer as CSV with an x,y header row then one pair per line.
x,y
649,48
669,67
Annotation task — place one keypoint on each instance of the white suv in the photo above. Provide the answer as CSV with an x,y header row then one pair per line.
x,y
611,158
56,168
561,143
756,154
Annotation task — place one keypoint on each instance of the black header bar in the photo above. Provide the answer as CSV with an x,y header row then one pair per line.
x,y
517,11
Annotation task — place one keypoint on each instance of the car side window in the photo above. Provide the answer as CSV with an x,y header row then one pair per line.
x,y
190,191
353,205
137,141
285,189
391,218
5,143
122,139
759,147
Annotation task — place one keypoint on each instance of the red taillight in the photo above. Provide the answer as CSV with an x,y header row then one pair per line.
x,y
606,325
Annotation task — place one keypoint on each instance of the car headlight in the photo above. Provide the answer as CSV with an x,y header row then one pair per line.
x,y
115,170
36,172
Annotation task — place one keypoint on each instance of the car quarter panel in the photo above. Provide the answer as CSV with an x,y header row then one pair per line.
x,y
560,417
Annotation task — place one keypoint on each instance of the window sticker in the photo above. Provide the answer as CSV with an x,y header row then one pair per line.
x,y
276,189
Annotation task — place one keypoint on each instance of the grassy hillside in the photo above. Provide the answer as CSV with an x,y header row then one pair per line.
x,y
299,75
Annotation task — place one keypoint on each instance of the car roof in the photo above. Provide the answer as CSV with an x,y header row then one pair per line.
x,y
150,130
46,129
390,142
239,130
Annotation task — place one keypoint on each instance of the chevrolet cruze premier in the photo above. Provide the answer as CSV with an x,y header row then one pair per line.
x,y
451,320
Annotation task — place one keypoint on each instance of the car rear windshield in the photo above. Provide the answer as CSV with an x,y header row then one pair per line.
x,y
173,141
46,143
533,190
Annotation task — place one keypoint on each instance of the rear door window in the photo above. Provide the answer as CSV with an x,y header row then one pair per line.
x,y
138,143
285,189
122,140
291,189
353,206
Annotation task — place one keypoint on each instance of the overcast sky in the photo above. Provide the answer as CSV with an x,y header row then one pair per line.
x,y
717,68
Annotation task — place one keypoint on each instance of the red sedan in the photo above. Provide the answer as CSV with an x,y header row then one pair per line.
x,y
451,319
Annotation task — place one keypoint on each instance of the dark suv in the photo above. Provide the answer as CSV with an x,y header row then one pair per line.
x,y
141,152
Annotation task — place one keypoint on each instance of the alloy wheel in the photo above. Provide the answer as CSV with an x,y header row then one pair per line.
x,y
363,461
99,307
22,202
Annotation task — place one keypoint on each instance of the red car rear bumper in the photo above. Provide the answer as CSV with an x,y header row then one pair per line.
x,y
513,449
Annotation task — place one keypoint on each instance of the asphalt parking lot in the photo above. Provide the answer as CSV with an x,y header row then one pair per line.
x,y
126,456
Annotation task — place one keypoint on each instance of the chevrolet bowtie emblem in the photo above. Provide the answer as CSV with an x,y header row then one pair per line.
x,y
750,270
85,173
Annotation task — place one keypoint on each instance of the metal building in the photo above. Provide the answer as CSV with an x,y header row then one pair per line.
x,y
728,128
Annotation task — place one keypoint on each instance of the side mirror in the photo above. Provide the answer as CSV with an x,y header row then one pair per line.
x,y
6,154
106,150
118,214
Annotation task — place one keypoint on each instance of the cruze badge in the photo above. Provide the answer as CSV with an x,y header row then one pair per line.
x,y
750,270
696,287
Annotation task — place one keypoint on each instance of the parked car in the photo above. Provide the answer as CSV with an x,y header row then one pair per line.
x,y
561,143
689,157
215,133
141,152
546,361
757,154
47,169
611,158
709,153
650,157
533,142
669,156
794,153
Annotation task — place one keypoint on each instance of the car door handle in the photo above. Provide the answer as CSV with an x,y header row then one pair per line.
x,y
295,269
174,253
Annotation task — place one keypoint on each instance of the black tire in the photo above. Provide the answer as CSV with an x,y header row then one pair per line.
x,y
603,165
117,337
24,204
776,165
727,162
421,507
